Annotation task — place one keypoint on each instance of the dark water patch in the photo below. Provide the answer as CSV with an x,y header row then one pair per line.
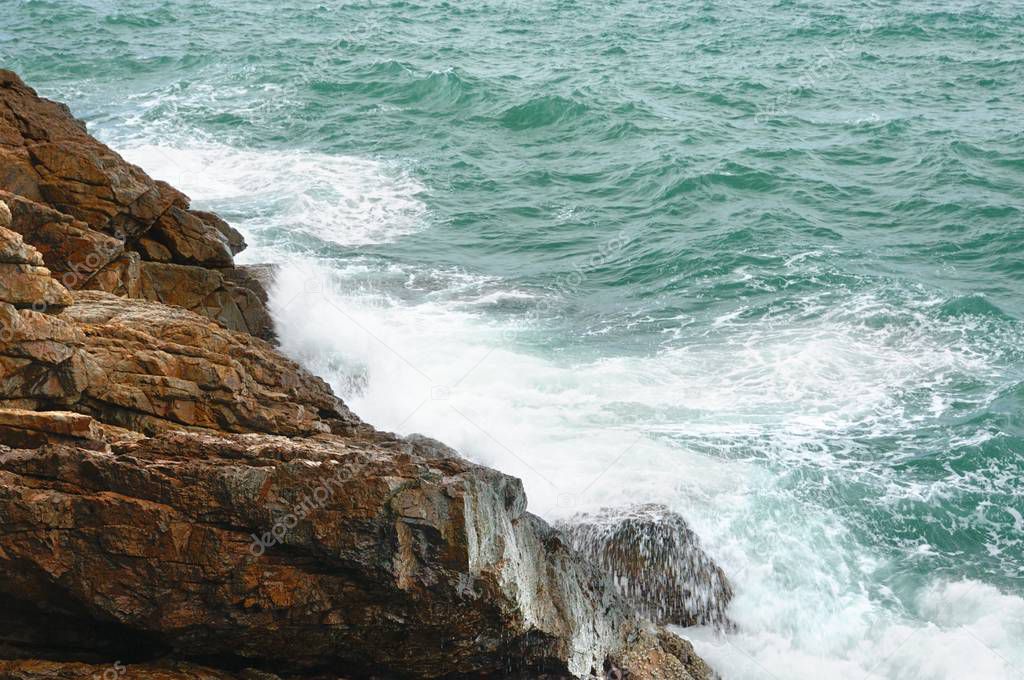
x,y
541,112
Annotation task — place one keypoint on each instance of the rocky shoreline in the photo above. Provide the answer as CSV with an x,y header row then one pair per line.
x,y
180,500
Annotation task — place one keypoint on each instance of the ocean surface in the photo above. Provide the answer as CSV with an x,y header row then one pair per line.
x,y
761,261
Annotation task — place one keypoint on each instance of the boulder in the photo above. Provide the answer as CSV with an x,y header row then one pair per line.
x,y
656,563
181,236
231,236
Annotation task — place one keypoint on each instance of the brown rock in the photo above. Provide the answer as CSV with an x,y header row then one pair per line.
x,y
207,292
31,429
249,285
78,202
71,250
24,285
163,367
153,251
305,541
23,281
235,240
187,239
41,358
53,160
304,554
60,423
118,670
48,157
122,277
13,249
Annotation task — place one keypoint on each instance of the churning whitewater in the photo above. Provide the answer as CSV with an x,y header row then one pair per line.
x,y
750,430
757,262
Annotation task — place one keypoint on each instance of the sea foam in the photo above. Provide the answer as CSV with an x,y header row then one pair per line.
x,y
720,431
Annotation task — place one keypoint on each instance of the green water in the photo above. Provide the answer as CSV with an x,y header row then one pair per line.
x,y
761,261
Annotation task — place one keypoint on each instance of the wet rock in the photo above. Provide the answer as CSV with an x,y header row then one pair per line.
x,y
258,277
301,554
428,447
653,655
656,562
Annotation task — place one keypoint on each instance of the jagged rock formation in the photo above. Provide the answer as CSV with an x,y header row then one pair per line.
x,y
656,562
70,249
303,554
102,223
178,500
24,281
48,157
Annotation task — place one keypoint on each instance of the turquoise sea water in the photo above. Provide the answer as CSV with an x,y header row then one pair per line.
x,y
760,261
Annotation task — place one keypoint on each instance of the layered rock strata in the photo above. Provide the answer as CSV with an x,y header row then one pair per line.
x,y
103,223
178,500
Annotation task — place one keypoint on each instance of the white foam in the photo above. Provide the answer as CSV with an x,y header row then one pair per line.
x,y
583,435
339,199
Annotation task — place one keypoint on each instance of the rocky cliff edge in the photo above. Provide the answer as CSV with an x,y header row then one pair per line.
x,y
179,500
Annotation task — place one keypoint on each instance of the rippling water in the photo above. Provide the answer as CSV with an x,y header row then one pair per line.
x,y
761,261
